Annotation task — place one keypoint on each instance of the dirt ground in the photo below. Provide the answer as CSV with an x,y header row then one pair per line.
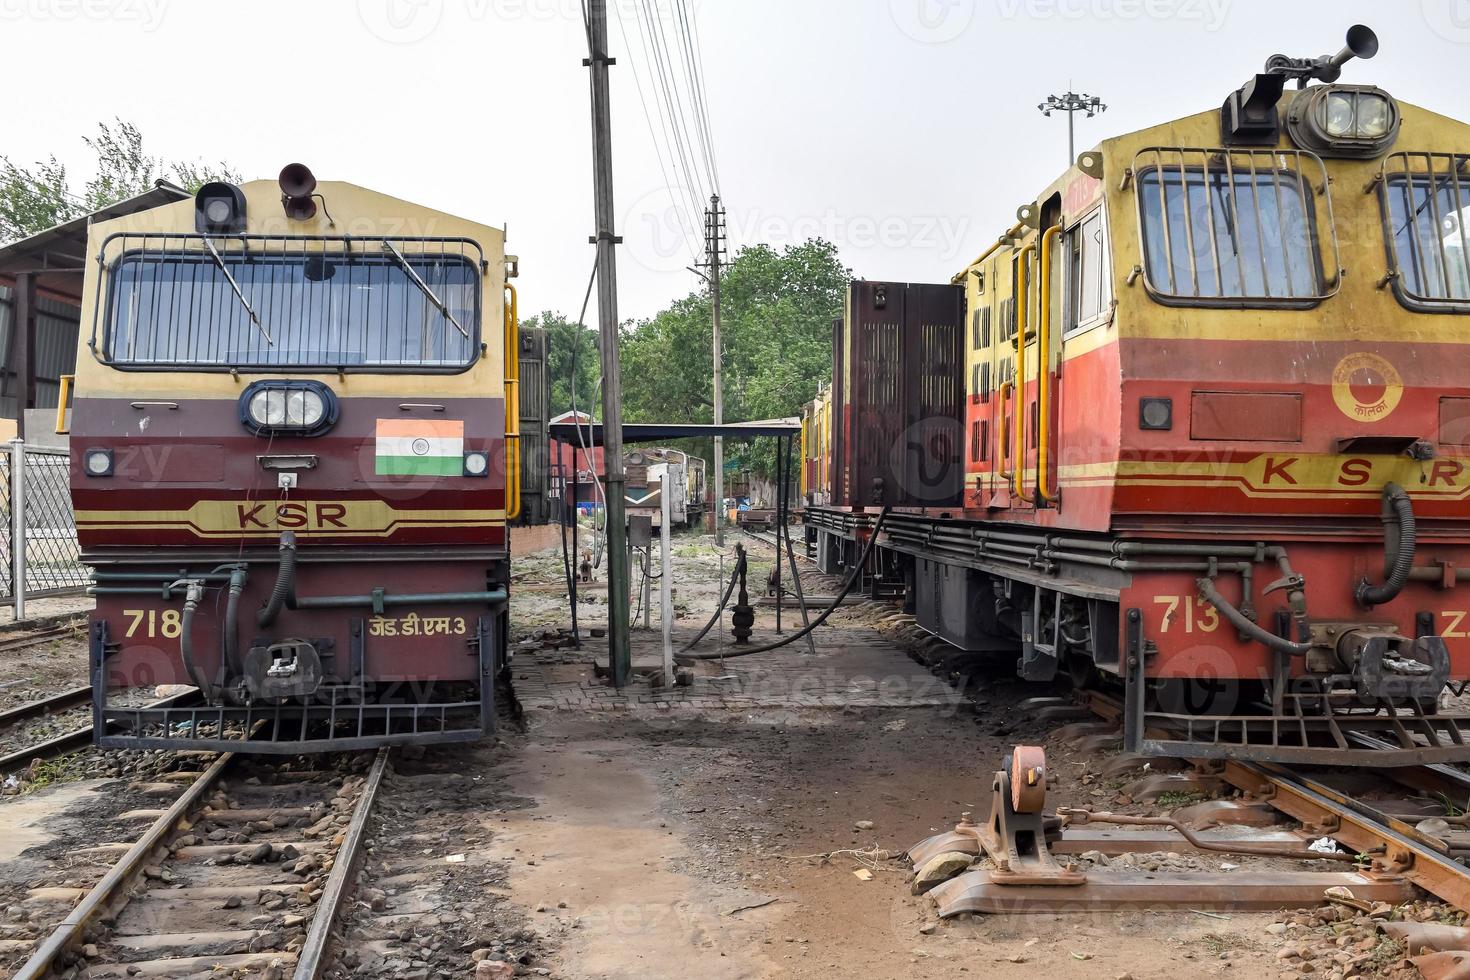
x,y
657,838
681,846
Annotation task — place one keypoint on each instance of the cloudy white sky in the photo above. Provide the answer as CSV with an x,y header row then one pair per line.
x,y
905,131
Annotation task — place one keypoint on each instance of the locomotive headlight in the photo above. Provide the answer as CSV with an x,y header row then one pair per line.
x,y
306,408
268,408
1374,117
476,464
1355,121
1341,114
98,462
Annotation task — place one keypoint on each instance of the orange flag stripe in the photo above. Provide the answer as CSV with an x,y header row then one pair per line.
x,y
421,428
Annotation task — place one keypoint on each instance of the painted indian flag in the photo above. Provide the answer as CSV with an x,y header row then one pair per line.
x,y
420,447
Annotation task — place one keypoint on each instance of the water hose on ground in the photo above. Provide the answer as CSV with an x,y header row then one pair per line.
x,y
685,658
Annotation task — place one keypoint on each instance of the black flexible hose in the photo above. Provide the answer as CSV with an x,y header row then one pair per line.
x,y
186,643
231,638
857,571
724,601
1399,555
1247,626
285,586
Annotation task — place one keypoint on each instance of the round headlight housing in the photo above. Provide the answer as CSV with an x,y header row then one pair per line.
x,y
1349,121
306,408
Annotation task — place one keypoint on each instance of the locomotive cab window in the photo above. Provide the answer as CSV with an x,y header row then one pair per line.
x,y
1428,242
279,305
1089,288
1236,229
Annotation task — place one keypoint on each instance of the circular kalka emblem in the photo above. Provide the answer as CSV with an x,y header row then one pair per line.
x,y
421,447
1366,387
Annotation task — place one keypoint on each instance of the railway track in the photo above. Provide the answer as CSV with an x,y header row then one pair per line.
x,y
1391,830
769,538
66,742
244,874
10,642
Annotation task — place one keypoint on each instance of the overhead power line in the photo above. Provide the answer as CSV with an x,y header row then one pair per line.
x,y
676,106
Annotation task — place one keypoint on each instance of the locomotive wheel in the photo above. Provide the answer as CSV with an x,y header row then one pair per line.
x,y
1083,672
1203,696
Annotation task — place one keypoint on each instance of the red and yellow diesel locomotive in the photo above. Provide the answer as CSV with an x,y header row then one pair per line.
x,y
291,445
1197,424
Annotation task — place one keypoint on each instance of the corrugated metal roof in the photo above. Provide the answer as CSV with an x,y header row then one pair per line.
x,y
62,245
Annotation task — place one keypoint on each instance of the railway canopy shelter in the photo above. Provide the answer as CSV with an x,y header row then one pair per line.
x,y
645,432
587,435
40,308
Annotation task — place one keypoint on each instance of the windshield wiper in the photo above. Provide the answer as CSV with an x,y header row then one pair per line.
x,y
239,295
424,287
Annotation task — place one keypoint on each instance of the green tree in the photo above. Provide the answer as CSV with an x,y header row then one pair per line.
x,y
36,198
777,312
566,343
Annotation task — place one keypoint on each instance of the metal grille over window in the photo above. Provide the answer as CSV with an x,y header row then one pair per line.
x,y
247,301
1235,227
1426,202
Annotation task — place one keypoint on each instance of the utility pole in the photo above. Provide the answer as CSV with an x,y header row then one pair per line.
x,y
714,255
1072,103
620,658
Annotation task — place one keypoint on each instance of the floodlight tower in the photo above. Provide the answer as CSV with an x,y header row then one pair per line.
x,y
1072,103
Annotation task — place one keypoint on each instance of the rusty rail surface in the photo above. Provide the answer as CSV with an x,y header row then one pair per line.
x,y
313,952
1395,847
115,882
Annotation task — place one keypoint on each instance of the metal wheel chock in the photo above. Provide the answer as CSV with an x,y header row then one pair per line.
x,y
1015,836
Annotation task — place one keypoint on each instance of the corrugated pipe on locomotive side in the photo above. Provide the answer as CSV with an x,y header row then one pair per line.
x,y
285,587
1398,550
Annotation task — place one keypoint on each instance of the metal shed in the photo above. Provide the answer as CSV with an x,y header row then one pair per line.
x,y
40,304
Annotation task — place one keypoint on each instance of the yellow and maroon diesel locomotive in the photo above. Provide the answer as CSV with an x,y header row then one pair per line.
x,y
1196,426
294,456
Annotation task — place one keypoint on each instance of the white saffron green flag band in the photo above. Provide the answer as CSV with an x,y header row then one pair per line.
x,y
420,447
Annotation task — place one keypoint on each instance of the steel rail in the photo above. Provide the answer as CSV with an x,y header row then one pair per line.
x,y
761,537
45,706
23,640
78,739
106,891
1342,819
1395,846
311,957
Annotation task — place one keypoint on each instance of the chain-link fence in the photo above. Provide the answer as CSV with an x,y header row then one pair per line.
x,y
48,546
